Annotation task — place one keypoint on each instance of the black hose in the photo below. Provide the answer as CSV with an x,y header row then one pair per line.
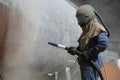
x,y
95,66
102,23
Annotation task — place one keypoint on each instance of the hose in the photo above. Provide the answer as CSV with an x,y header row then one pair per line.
x,y
95,66
96,13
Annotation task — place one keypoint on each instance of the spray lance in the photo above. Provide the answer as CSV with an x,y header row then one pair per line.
x,y
78,53
64,47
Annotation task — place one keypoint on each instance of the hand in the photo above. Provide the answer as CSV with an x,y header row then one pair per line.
x,y
71,50
85,54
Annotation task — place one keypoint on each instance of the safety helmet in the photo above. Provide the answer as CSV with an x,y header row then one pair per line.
x,y
85,14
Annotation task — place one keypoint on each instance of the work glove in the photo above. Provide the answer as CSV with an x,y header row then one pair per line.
x,y
71,50
85,55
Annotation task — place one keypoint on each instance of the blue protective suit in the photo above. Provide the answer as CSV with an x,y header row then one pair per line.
x,y
96,45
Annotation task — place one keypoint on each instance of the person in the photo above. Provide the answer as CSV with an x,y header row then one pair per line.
x,y
93,40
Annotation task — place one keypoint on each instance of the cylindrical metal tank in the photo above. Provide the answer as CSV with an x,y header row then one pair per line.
x,y
27,27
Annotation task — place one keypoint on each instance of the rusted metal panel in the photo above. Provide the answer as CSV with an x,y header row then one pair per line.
x,y
111,71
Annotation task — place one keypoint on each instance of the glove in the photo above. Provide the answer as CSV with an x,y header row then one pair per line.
x,y
71,50
85,54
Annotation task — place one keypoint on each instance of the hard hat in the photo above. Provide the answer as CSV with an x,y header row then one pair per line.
x,y
85,14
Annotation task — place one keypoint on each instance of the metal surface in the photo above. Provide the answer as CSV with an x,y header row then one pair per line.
x,y
31,24
111,71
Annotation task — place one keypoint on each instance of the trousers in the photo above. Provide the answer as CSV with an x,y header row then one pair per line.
x,y
88,72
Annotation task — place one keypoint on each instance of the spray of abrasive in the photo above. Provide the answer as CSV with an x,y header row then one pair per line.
x,y
4,3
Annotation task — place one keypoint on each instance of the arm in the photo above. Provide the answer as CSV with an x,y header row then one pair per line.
x,y
101,45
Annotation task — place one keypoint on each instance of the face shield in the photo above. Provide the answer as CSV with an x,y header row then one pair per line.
x,y
82,19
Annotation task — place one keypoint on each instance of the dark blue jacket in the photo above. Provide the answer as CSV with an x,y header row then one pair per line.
x,y
96,45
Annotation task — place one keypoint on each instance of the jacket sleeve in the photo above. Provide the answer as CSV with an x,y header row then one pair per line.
x,y
101,45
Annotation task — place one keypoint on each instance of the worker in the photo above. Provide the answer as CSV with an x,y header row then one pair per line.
x,y
93,40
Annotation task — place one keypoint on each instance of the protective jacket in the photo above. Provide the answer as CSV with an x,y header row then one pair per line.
x,y
93,40
96,45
